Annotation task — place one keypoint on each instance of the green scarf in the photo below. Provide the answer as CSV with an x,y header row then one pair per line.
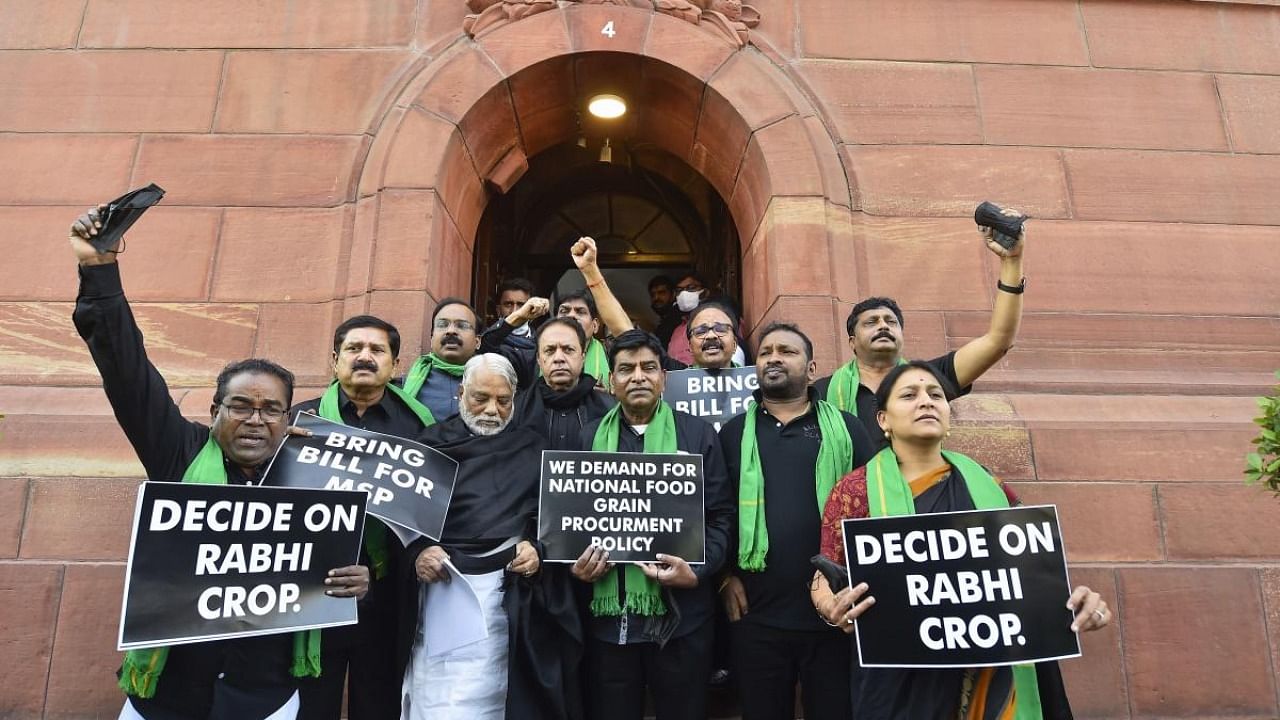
x,y
423,366
596,362
140,673
888,493
843,390
644,596
375,533
835,459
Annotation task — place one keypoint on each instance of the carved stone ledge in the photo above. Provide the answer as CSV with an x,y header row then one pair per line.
x,y
730,19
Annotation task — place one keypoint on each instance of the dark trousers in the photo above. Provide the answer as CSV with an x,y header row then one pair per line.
x,y
676,675
374,692
768,662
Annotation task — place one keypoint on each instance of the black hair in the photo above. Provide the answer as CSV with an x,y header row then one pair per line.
x,y
256,366
454,301
887,383
367,321
565,322
516,283
694,274
712,305
871,303
585,297
775,326
635,339
657,280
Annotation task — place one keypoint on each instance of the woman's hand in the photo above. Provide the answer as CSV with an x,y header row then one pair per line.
x,y
1090,609
842,608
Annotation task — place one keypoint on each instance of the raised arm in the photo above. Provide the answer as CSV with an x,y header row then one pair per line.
x,y
137,392
980,354
615,318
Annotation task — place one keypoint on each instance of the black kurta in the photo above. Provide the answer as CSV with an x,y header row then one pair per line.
x,y
494,506
559,417
251,675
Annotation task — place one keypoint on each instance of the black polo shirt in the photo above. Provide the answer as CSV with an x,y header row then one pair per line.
x,y
868,407
389,416
778,596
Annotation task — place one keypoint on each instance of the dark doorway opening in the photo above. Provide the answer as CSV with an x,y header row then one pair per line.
x,y
650,213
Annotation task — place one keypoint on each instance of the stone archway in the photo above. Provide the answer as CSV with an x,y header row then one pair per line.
x,y
466,121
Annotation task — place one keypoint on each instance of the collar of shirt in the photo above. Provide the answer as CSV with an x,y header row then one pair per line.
x,y
811,392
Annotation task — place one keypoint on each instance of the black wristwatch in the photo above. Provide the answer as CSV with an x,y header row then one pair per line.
x,y
1013,289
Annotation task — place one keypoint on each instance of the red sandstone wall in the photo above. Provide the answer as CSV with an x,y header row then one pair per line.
x,y
1142,134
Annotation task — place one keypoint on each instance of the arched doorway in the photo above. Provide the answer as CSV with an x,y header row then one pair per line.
x,y
644,222
469,124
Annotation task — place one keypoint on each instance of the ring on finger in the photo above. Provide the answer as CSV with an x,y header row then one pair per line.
x,y
1100,613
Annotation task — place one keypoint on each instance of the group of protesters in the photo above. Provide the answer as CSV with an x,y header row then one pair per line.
x,y
595,638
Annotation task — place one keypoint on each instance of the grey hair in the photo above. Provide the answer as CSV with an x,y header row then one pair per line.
x,y
492,362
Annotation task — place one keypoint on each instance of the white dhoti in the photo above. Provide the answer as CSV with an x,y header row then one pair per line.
x,y
465,683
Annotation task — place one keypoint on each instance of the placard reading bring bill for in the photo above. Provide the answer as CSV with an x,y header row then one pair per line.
x,y
713,395
409,484
962,589
221,561
634,505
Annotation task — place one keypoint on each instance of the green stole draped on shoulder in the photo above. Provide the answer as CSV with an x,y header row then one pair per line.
x,y
596,361
888,493
141,670
422,367
644,596
835,459
375,533
843,389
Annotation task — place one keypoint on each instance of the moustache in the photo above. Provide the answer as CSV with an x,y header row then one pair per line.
x,y
712,344
371,367
882,334
451,339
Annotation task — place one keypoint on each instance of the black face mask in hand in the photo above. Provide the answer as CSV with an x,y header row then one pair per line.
x,y
122,213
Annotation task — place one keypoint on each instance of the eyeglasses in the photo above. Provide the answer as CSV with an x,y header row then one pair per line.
x,y
445,324
717,328
270,415
693,287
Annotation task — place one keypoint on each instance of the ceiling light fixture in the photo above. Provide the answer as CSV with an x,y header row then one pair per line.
x,y
607,106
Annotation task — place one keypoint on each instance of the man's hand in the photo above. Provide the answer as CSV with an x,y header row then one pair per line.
x,y
592,564
734,597
430,565
349,581
671,571
526,561
845,606
584,254
989,235
1090,609
87,226
533,308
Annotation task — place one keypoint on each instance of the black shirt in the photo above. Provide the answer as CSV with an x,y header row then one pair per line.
x,y
778,596
868,407
166,443
520,350
696,605
560,416
377,609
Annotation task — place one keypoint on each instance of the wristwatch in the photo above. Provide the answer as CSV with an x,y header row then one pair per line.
x,y
1013,289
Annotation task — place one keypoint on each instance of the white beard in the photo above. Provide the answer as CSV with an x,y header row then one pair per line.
x,y
482,424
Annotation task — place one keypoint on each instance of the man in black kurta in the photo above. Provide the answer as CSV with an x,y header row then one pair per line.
x,y
490,529
245,678
776,637
366,353
668,653
561,401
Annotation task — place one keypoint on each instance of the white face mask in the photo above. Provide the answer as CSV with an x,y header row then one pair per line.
x,y
687,300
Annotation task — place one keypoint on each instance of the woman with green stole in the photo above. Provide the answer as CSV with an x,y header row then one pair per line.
x,y
915,475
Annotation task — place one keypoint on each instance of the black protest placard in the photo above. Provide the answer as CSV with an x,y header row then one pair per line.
x,y
409,484
962,589
635,505
220,561
713,395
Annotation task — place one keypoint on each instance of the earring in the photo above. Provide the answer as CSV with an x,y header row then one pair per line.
x,y
886,435
947,434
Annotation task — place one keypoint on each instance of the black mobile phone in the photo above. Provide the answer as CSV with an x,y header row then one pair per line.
x,y
837,576
1005,229
122,213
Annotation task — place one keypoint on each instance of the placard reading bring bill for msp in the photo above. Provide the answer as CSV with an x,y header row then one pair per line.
x,y
634,505
962,589
220,561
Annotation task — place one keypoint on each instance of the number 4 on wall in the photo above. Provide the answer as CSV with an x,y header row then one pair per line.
x,y
608,30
